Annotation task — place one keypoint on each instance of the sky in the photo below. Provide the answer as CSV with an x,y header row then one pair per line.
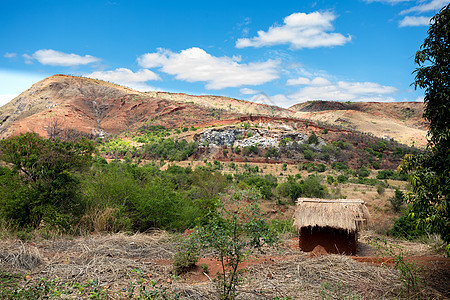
x,y
273,52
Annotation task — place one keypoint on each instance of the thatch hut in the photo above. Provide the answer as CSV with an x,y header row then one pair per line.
x,y
333,224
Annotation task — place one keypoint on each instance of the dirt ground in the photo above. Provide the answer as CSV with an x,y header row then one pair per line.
x,y
118,261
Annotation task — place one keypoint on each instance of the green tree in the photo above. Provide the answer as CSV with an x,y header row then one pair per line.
x,y
430,171
233,232
397,200
313,139
43,170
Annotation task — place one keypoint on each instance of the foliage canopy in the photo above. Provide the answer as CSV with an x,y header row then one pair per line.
x,y
430,171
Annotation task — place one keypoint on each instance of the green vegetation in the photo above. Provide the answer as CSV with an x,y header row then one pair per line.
x,y
311,187
45,288
234,231
43,183
429,172
397,200
313,139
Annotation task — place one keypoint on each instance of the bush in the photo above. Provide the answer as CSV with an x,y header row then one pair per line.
x,y
330,179
363,172
313,139
272,152
380,188
264,184
42,185
290,189
309,154
284,142
185,259
391,174
313,188
169,149
250,149
342,179
407,227
236,230
398,200
321,168
339,166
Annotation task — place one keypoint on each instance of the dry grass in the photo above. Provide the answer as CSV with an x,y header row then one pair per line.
x,y
18,255
118,261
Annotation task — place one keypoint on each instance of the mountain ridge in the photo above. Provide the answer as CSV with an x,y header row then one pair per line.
x,y
95,107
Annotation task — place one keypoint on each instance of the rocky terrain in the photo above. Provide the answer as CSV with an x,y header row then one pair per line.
x,y
96,107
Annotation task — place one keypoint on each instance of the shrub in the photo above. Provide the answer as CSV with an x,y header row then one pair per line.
x,y
271,152
321,168
42,184
363,172
313,139
234,231
342,178
308,154
313,188
185,259
397,200
380,188
250,149
290,189
330,179
339,166
284,142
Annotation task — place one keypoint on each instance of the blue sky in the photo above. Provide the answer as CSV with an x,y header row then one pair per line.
x,y
275,52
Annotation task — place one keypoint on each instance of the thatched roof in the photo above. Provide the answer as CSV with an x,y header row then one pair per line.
x,y
341,213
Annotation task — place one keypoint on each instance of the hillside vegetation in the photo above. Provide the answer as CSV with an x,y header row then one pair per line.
x,y
83,157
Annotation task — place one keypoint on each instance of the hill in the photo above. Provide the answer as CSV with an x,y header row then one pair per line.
x,y
94,107
401,121
98,107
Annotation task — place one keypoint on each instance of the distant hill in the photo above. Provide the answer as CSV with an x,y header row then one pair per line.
x,y
401,121
97,107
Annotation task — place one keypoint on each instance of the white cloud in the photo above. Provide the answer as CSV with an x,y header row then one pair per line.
x,y
298,81
323,89
57,58
317,81
414,21
320,88
127,77
299,30
420,99
4,99
28,59
9,55
195,64
432,5
247,91
276,100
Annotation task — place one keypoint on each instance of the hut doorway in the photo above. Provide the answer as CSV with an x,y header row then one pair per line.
x,y
334,240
